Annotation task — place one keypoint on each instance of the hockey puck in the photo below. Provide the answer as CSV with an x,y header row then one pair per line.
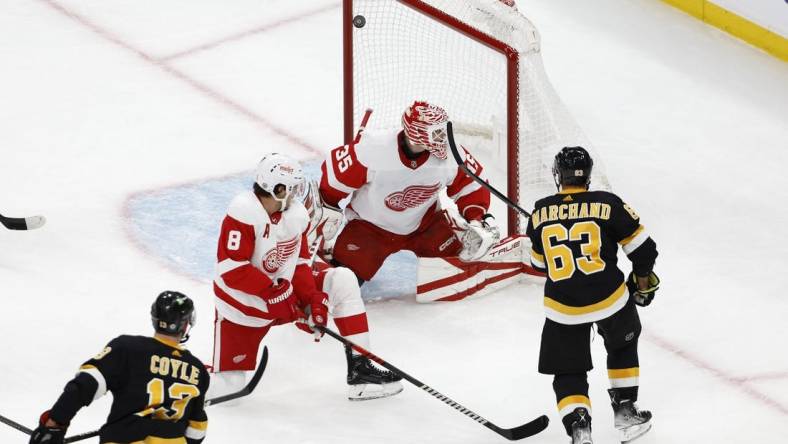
x,y
359,21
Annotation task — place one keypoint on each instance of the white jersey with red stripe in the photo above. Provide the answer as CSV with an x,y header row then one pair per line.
x,y
395,192
254,250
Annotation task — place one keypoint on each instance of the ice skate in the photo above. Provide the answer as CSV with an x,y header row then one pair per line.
x,y
581,427
365,381
630,421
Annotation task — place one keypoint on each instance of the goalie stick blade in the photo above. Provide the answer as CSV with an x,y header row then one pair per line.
x,y
23,223
525,430
250,386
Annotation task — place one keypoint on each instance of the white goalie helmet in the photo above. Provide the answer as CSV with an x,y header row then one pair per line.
x,y
278,169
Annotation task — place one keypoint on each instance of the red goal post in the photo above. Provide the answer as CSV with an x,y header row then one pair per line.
x,y
481,61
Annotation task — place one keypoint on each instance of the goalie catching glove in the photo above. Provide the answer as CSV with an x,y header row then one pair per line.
x,y
643,297
478,237
325,222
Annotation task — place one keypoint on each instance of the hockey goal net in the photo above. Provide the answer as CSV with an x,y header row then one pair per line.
x,y
481,61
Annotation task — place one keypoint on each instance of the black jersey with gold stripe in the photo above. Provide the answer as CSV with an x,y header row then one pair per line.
x,y
158,390
575,236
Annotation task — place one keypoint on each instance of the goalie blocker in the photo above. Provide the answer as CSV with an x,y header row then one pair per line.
x,y
451,279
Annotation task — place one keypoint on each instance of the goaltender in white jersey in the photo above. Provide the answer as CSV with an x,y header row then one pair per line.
x,y
395,178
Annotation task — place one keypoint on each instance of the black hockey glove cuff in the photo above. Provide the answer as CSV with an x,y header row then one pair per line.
x,y
643,297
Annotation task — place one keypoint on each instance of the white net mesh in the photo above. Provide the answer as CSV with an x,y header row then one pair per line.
x,y
404,52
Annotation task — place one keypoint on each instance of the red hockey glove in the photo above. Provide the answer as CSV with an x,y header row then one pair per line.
x,y
281,301
48,431
318,315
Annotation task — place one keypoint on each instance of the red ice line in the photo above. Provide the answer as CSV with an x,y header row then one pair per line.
x,y
738,383
199,86
765,376
249,33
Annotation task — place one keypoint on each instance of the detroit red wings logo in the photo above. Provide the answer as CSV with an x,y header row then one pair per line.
x,y
411,197
277,256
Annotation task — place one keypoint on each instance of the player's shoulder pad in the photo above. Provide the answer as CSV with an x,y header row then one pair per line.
x,y
607,197
542,202
376,147
125,342
298,213
245,208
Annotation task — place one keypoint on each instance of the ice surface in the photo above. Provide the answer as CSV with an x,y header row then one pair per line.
x,y
109,106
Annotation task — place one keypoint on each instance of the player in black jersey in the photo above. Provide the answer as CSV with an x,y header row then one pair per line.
x,y
575,236
158,386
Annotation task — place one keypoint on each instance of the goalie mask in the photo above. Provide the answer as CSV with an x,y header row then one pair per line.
x,y
277,169
572,166
425,124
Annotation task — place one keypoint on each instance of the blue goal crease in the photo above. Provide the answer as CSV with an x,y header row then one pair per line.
x,y
181,225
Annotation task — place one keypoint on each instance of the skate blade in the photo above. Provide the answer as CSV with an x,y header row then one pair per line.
x,y
365,392
634,432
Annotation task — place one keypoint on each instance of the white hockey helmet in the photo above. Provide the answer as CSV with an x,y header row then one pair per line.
x,y
278,169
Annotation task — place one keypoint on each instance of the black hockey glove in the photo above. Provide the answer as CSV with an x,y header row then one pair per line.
x,y
645,296
47,435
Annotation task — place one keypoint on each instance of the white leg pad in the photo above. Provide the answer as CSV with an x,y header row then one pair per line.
x,y
450,279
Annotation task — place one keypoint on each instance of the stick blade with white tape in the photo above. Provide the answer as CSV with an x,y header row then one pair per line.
x,y
23,223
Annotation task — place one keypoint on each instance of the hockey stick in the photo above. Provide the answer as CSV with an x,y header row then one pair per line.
x,y
249,387
15,425
461,163
208,402
363,125
23,223
513,434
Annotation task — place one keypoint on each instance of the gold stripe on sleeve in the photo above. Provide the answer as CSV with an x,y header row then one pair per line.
x,y
632,236
199,425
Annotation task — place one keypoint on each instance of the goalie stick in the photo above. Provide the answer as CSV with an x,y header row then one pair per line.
x,y
363,125
23,223
482,182
529,429
208,402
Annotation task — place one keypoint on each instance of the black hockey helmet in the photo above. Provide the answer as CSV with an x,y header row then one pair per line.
x,y
172,313
572,166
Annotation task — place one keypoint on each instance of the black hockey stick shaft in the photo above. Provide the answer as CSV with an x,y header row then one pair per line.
x,y
22,223
523,431
15,425
461,163
250,386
